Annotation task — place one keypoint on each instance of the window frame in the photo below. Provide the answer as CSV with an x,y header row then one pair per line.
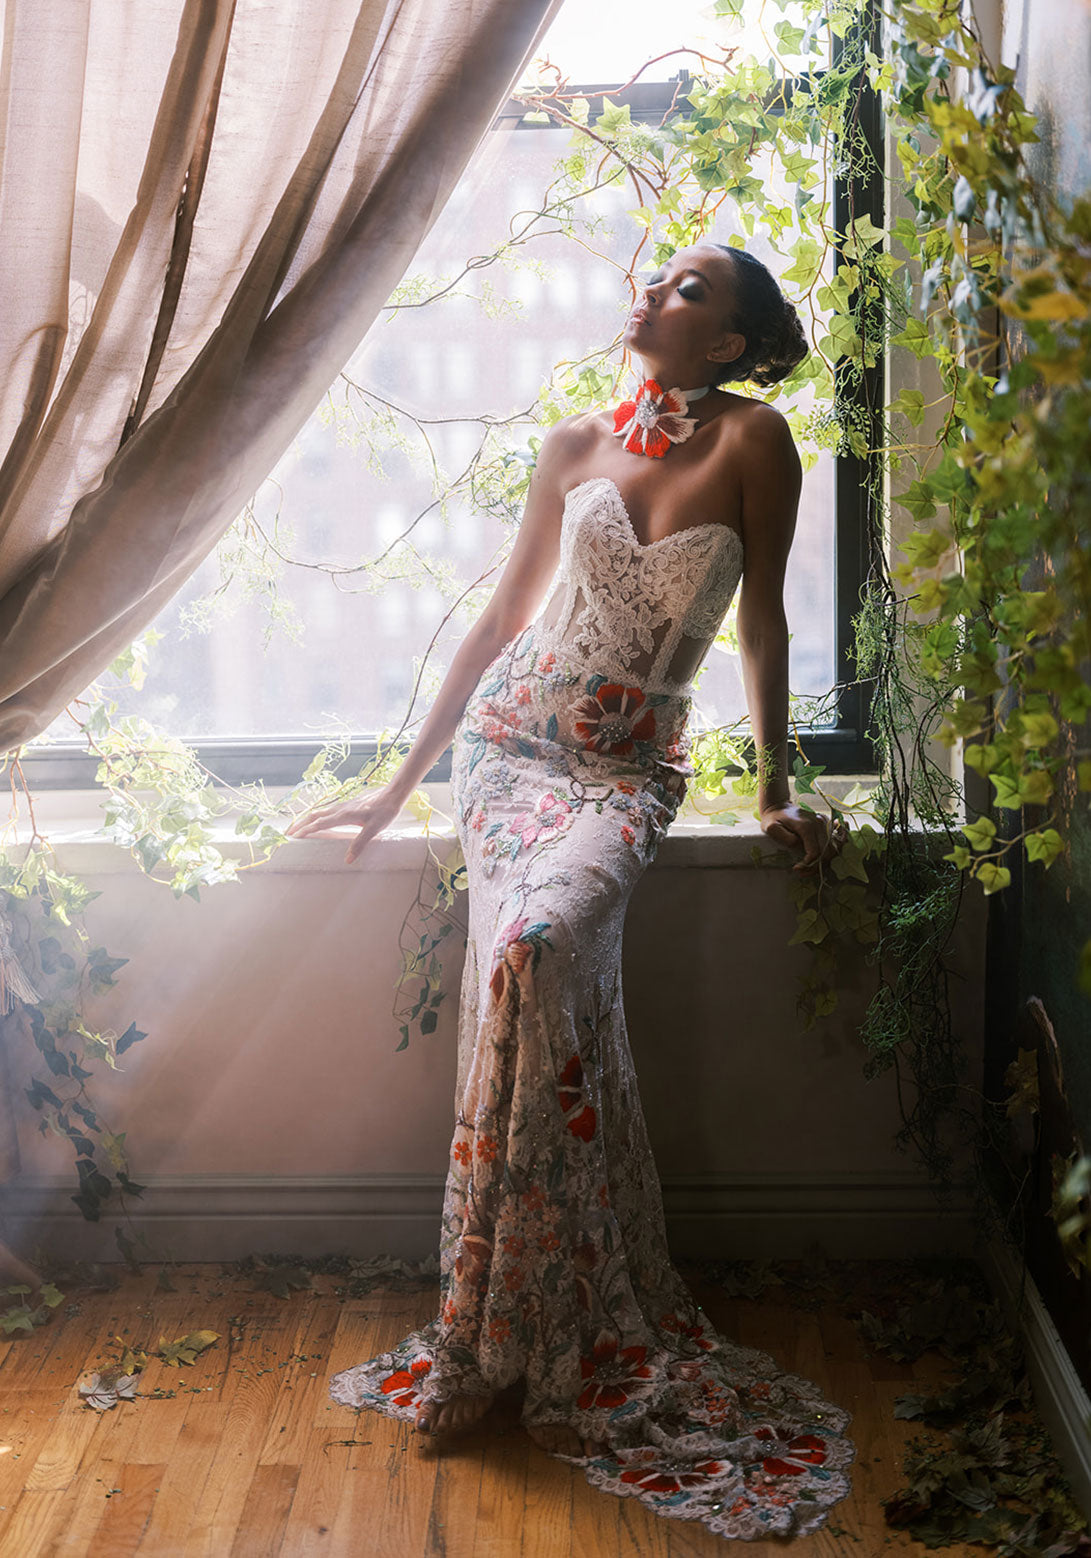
x,y
842,747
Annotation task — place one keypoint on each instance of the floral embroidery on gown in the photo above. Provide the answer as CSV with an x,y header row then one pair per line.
x,y
569,764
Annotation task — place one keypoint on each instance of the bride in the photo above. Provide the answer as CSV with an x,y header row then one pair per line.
x,y
569,763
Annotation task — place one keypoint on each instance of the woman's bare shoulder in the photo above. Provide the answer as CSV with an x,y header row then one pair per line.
x,y
568,442
756,436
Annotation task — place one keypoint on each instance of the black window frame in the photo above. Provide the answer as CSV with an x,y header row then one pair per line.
x,y
843,746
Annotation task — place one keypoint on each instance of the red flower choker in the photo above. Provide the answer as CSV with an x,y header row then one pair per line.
x,y
655,419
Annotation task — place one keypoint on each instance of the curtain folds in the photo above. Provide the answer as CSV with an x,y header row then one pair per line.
x,y
203,206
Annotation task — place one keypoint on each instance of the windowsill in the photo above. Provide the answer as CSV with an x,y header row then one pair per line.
x,y
71,821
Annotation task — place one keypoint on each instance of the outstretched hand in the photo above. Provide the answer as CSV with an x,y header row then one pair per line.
x,y
791,825
370,813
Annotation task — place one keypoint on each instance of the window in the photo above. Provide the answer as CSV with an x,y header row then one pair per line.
x,y
256,704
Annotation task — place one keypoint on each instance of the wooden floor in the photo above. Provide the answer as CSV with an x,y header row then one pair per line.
x,y
243,1454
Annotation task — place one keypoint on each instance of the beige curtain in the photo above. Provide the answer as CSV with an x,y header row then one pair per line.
x,y
203,206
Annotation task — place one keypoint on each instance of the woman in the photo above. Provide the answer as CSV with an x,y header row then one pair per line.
x,y
569,764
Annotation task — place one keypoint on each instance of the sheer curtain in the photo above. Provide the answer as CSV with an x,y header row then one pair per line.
x,y
203,206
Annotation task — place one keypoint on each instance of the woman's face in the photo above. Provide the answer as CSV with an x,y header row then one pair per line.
x,y
683,312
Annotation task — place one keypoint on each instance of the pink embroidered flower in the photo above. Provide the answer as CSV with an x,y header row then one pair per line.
x,y
554,815
549,817
522,693
548,661
613,719
653,421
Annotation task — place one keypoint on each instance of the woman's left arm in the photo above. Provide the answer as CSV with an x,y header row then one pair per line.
x,y
770,500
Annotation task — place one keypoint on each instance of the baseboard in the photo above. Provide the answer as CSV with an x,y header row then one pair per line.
x,y
726,1216
1062,1401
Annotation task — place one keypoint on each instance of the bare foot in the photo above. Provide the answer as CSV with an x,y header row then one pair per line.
x,y
435,1417
561,1439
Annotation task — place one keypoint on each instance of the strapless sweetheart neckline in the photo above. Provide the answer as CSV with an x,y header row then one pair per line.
x,y
672,535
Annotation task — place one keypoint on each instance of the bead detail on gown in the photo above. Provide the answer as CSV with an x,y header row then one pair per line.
x,y
569,765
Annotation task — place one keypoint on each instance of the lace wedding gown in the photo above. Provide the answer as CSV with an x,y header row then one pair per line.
x,y
569,764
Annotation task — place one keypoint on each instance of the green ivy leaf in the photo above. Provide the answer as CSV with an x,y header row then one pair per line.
x,y
992,877
960,855
980,833
914,337
1044,846
910,403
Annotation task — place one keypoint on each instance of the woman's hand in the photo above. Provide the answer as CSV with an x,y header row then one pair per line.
x,y
370,813
790,824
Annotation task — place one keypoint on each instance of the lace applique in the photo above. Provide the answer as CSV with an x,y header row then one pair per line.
x,y
633,610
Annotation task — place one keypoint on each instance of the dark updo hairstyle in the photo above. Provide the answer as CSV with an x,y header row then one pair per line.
x,y
775,343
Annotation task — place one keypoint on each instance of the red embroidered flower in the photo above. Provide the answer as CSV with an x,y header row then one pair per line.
x,y
486,1147
474,1257
548,661
499,1328
462,1153
406,1381
613,719
715,1403
696,1333
654,420
653,1481
627,1367
627,833
450,1310
570,1093
799,1453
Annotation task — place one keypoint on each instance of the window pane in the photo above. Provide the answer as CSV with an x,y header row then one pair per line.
x,y
382,558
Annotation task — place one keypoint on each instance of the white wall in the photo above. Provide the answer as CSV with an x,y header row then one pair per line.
x,y
268,1107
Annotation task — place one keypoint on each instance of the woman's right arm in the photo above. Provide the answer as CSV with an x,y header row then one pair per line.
x,y
512,605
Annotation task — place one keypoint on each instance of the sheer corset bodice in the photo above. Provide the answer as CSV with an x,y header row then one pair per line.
x,y
638,612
